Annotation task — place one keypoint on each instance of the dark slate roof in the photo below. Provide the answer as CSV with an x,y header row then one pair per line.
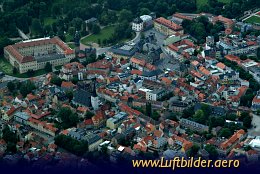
x,y
152,73
137,20
92,138
82,97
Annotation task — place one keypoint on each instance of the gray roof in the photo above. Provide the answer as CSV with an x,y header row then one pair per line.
x,y
92,138
82,97
152,73
22,115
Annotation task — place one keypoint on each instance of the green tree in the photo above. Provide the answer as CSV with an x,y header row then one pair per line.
x,y
56,80
148,109
89,115
11,86
27,87
95,29
193,151
9,136
30,73
69,95
225,132
258,52
15,71
231,117
48,67
199,117
69,119
4,41
189,112
36,26
125,15
213,153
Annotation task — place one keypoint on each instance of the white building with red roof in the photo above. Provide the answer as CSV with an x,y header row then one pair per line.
x,y
256,102
34,54
167,27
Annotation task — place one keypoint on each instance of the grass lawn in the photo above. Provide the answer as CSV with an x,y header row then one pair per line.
x,y
7,68
224,1
49,21
68,38
253,19
105,33
72,45
200,3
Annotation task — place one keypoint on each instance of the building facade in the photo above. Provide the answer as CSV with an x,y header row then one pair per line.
x,y
34,54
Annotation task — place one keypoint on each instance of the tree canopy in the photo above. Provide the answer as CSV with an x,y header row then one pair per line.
x,y
68,118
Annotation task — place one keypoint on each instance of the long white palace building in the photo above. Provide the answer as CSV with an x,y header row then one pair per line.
x,y
34,54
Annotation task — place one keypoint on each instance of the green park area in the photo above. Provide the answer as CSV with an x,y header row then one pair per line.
x,y
49,21
5,66
105,33
253,19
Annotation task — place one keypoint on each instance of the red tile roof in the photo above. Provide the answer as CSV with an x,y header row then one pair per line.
x,y
168,24
67,85
233,139
14,49
138,61
178,15
221,65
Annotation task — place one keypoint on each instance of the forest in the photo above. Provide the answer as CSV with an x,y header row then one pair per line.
x,y
63,17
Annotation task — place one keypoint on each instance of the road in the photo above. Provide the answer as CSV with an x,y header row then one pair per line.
x,y
102,50
255,130
11,78
23,36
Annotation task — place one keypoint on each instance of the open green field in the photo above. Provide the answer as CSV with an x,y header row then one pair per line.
x,y
105,33
68,38
224,1
253,19
49,21
201,3
72,45
5,66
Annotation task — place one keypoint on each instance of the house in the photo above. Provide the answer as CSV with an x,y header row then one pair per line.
x,y
43,126
193,125
93,141
82,98
7,113
185,144
70,70
159,142
98,119
226,146
21,117
137,24
228,23
116,120
256,102
67,86
167,27
34,54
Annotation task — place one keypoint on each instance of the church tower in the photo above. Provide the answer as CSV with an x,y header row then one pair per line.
x,y
94,97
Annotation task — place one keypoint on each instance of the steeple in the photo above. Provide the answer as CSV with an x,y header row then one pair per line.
x,y
94,93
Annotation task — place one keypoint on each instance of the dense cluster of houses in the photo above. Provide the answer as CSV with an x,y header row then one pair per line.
x,y
112,96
